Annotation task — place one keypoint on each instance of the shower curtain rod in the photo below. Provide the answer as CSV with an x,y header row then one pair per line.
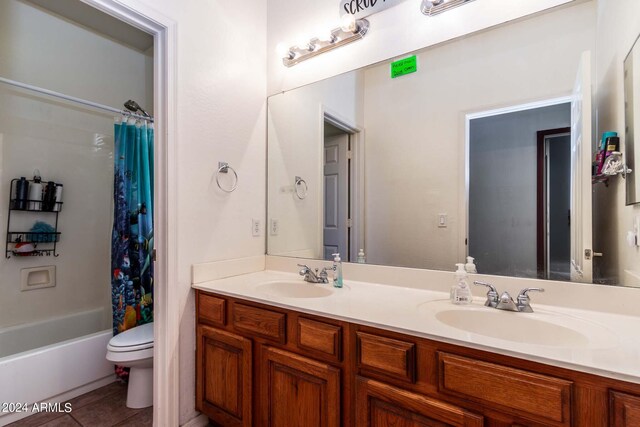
x,y
72,99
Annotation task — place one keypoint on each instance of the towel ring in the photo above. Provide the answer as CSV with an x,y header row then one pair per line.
x,y
223,167
298,185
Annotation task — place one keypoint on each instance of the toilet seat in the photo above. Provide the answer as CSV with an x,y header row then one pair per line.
x,y
135,339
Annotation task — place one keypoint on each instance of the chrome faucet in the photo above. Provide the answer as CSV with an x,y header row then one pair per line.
x,y
313,276
505,302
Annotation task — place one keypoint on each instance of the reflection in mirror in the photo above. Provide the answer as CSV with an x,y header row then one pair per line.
x,y
484,151
632,121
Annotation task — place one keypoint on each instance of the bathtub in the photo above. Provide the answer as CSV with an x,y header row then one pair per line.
x,y
42,362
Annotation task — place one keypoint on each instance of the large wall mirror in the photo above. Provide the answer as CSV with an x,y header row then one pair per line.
x,y
485,151
632,120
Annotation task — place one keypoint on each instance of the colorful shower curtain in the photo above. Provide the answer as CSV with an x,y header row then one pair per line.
x,y
132,236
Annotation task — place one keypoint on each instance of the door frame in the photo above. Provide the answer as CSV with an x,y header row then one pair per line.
x,y
166,386
464,251
356,181
542,198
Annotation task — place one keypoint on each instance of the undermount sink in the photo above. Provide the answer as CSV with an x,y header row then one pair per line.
x,y
538,328
299,289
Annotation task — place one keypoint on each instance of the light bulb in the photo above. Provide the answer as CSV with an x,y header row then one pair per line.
x,y
284,51
348,23
326,36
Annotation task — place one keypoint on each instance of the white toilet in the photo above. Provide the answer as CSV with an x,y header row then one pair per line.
x,y
134,349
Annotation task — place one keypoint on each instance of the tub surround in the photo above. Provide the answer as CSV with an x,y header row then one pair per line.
x,y
407,300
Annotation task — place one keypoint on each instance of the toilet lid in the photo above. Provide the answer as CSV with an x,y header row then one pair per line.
x,y
137,338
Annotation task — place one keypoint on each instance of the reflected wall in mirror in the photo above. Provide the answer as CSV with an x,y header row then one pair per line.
x,y
632,121
470,155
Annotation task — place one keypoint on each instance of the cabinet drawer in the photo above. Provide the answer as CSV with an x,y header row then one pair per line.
x,y
529,395
260,322
624,410
212,309
320,338
389,357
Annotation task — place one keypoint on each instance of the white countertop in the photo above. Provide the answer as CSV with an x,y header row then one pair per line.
x,y
610,348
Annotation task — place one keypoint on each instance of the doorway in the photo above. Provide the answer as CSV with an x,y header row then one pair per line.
x,y
507,204
336,236
553,204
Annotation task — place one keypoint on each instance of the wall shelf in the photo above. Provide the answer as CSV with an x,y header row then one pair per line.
x,y
44,243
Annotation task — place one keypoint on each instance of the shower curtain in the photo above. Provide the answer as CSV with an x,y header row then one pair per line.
x,y
132,236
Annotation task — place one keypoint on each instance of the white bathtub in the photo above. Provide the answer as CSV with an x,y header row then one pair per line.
x,y
59,368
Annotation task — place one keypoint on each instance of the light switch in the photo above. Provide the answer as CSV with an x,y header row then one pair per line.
x,y
255,227
274,227
442,220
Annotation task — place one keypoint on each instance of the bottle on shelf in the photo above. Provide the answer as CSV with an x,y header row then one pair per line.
x,y
35,192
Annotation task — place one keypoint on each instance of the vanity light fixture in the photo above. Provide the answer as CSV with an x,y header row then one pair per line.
x,y
435,7
350,31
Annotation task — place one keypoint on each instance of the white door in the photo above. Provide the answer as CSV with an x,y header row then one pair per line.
x,y
336,196
581,151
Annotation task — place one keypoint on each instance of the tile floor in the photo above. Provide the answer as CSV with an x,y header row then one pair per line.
x,y
104,407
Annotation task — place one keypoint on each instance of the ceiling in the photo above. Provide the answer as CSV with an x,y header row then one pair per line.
x,y
93,19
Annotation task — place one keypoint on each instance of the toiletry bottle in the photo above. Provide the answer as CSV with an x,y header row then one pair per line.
x,y
460,291
22,194
361,258
58,199
49,196
470,266
35,192
337,271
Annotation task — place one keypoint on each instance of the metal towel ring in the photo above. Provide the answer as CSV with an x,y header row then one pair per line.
x,y
223,167
298,185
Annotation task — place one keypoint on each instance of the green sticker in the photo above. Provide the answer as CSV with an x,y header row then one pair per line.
x,y
404,66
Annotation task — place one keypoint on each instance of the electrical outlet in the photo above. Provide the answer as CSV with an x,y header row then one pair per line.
x,y
255,227
442,220
274,227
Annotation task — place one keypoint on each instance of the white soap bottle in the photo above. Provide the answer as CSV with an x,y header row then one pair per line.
x,y
470,266
460,291
361,258
337,271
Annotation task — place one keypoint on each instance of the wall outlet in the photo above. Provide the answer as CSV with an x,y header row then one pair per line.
x,y
255,227
274,227
442,220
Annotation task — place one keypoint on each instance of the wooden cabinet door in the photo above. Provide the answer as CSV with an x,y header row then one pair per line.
x,y
223,373
625,409
297,391
381,405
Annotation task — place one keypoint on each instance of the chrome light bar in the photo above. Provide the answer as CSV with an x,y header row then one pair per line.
x,y
436,7
338,37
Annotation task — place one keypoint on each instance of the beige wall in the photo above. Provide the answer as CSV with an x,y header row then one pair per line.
x,y
295,139
618,28
69,144
221,102
393,32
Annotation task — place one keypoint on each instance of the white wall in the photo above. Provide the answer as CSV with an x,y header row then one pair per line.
x,y
221,101
393,32
295,135
618,28
69,144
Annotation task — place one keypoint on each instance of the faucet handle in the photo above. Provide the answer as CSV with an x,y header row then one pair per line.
x,y
305,269
524,300
492,294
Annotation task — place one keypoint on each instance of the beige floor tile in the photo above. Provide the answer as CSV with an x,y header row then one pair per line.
x,y
106,412
144,418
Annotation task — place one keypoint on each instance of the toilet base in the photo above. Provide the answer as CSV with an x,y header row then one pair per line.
x,y
140,390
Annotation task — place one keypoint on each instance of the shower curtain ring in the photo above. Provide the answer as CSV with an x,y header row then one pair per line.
x,y
223,167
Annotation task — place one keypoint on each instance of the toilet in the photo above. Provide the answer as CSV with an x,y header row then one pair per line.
x,y
134,349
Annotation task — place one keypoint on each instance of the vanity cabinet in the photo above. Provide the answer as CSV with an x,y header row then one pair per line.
x,y
261,365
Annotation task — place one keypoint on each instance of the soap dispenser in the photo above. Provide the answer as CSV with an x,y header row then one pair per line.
x,y
337,271
470,266
361,258
460,291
